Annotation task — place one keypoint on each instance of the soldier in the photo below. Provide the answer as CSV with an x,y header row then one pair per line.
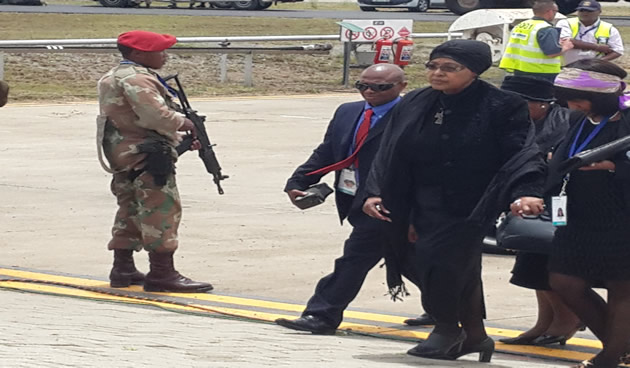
x,y
138,129
4,93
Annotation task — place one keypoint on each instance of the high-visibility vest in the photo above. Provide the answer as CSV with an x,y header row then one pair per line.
x,y
602,33
523,53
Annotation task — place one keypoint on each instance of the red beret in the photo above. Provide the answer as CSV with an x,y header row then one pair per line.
x,y
146,41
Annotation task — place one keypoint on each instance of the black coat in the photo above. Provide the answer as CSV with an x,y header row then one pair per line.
x,y
335,148
489,159
484,128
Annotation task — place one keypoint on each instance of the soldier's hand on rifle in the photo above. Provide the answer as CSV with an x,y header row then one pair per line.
x,y
196,145
188,126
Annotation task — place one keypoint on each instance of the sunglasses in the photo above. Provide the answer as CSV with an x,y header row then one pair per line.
x,y
446,67
373,86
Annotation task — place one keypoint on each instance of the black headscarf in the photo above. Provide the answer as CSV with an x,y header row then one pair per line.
x,y
474,55
530,88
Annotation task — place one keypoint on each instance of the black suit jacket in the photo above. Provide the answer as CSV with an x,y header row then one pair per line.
x,y
335,148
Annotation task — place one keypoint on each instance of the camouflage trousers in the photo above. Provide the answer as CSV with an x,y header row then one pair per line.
x,y
148,216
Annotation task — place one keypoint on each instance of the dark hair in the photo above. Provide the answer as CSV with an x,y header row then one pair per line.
x,y
542,6
124,50
602,103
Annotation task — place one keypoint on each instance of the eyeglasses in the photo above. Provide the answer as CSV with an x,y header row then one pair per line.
x,y
446,67
374,86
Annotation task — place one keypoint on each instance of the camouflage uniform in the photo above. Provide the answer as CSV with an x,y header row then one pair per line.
x,y
135,107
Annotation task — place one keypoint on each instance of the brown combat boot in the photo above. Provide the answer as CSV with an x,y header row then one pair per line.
x,y
164,277
124,272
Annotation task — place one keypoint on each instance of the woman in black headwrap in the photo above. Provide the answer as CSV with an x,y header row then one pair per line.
x,y
455,155
556,323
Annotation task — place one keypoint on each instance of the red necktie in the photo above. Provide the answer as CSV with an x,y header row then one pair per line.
x,y
362,134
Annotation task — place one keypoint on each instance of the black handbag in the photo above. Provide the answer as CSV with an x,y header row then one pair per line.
x,y
526,234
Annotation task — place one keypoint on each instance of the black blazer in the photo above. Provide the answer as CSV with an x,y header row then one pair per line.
x,y
335,148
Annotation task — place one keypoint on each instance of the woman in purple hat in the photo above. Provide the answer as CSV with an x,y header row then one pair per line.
x,y
593,245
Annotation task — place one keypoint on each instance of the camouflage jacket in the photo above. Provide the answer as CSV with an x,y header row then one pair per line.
x,y
134,106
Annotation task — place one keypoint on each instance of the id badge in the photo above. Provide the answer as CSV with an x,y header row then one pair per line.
x,y
559,210
347,182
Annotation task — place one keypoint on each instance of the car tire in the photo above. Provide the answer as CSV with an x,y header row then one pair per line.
x,y
460,7
245,5
222,5
114,3
264,5
423,6
367,8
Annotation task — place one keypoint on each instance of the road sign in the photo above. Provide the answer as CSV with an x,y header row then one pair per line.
x,y
404,32
373,30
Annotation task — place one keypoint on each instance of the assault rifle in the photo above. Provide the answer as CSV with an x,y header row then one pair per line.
x,y
206,153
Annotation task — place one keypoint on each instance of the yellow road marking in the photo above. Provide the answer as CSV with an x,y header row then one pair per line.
x,y
286,307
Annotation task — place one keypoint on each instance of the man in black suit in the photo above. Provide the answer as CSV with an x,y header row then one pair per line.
x,y
349,146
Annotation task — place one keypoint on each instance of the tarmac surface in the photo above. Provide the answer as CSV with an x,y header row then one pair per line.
x,y
263,255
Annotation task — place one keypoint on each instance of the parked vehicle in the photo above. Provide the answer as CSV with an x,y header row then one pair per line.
x,y
411,5
460,7
221,4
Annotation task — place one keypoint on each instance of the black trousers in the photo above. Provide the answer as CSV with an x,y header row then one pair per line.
x,y
362,250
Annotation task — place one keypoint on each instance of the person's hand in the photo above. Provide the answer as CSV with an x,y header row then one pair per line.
x,y
412,235
527,206
188,126
566,44
602,165
373,207
604,49
195,145
294,194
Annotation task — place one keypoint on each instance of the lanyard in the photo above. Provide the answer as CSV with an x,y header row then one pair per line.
x,y
170,89
582,34
575,150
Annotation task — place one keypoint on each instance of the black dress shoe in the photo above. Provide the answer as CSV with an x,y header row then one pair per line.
x,y
543,340
309,323
424,320
439,346
519,340
485,348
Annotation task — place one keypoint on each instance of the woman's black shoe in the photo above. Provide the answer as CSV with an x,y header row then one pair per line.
x,y
439,346
543,340
424,320
485,348
519,340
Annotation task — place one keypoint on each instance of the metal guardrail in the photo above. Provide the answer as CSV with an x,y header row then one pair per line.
x,y
103,45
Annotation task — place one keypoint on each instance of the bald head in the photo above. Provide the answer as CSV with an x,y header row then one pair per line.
x,y
381,83
391,73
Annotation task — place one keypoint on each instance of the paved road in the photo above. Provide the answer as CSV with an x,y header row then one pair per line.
x,y
437,16
46,331
432,16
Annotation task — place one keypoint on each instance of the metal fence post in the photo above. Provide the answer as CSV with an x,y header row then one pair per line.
x,y
1,65
249,61
223,68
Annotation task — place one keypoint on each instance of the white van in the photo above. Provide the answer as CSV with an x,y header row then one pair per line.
x,y
411,5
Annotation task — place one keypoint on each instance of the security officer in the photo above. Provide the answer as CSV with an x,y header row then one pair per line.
x,y
591,36
351,141
534,47
4,93
138,130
